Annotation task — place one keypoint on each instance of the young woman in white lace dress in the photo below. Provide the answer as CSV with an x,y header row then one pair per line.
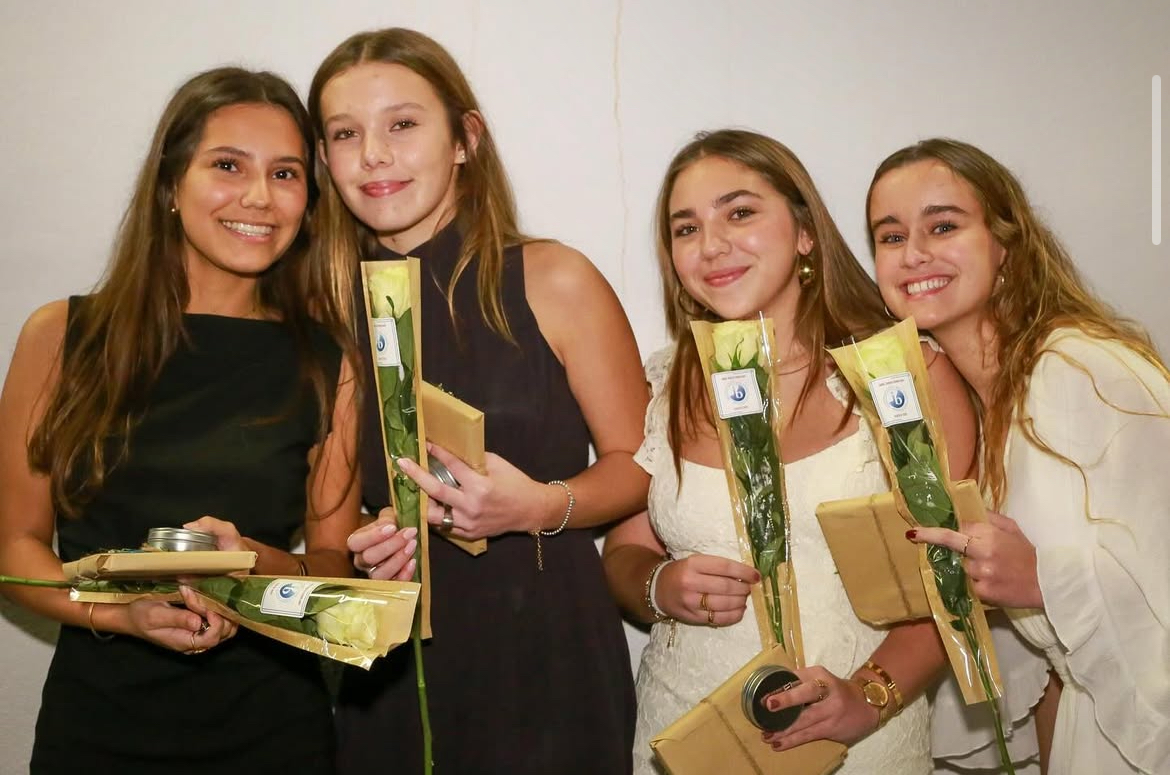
x,y
742,230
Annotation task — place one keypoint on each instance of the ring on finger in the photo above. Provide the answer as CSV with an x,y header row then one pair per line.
x,y
710,617
966,543
448,517
203,627
703,602
193,636
822,690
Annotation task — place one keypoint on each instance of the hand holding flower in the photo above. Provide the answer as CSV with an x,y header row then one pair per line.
x,y
835,709
998,557
382,551
504,499
704,589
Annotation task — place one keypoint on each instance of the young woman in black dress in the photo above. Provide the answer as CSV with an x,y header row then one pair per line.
x,y
204,376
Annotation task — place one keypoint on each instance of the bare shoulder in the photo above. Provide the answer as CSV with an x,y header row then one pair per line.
x,y
560,274
45,328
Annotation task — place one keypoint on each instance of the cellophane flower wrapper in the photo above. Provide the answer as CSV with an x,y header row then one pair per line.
x,y
353,621
392,295
889,377
737,362
392,303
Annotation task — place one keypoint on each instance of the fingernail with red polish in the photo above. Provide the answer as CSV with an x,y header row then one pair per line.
x,y
911,534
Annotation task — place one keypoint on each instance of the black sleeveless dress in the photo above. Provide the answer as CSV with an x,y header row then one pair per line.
x,y
226,433
528,671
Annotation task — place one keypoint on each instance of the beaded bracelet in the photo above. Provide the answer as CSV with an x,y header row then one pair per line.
x,y
537,532
651,588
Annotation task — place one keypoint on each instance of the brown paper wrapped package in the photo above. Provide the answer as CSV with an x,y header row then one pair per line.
x,y
716,737
157,566
458,428
878,566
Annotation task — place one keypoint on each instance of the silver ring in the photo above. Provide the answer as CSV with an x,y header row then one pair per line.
x,y
448,518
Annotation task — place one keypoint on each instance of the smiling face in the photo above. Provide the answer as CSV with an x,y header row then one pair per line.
x,y
243,196
390,151
935,258
734,241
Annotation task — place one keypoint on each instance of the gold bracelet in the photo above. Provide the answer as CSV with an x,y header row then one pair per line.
x,y
537,532
96,634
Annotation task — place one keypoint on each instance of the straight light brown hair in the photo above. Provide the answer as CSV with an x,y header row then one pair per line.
x,y
485,209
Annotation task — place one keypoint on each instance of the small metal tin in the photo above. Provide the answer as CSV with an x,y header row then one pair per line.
x,y
180,539
762,682
441,472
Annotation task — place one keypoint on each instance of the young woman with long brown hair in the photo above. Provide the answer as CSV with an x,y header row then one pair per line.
x,y
528,670
742,230
1076,420
202,377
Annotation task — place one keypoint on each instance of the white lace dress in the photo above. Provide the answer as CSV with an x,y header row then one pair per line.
x,y
695,518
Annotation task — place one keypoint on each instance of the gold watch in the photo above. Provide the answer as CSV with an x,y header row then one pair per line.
x,y
883,696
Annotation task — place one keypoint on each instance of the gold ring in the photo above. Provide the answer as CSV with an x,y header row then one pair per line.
x,y
703,602
448,518
966,543
822,689
193,636
711,617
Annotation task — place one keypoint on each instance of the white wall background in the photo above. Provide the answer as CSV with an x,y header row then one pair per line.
x,y
589,99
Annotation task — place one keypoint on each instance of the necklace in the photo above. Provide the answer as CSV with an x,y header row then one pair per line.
x,y
794,369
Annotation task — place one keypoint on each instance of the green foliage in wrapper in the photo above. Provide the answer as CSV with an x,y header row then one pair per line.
x,y
389,290
922,482
755,461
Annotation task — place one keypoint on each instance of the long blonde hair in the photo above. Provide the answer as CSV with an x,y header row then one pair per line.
x,y
1041,291
122,335
485,209
840,301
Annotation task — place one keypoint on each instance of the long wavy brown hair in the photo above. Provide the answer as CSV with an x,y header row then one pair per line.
x,y
485,209
840,301
121,336
1041,291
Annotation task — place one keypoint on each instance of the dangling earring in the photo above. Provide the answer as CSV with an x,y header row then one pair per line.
x,y
805,273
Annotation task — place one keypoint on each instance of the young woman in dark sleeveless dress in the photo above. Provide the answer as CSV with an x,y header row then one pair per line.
x,y
528,670
193,382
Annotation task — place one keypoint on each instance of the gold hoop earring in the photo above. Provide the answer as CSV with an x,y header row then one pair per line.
x,y
806,272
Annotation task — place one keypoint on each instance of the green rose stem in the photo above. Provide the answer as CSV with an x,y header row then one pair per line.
x,y
389,290
26,582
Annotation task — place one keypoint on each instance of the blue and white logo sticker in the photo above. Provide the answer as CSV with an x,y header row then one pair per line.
x,y
737,393
287,597
386,343
895,399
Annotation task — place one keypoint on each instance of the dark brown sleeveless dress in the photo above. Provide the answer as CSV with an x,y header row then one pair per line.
x,y
528,671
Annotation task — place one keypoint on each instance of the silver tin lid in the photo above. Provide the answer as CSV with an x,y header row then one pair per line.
x,y
762,682
180,539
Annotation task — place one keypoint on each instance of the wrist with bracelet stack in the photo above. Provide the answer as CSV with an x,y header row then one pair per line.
x,y
651,598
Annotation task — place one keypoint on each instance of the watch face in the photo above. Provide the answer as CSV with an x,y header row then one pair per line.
x,y
876,694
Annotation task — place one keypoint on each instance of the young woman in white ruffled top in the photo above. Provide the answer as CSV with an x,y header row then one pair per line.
x,y
1076,430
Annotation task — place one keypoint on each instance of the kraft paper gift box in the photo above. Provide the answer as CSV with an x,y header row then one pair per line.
x,y
716,737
